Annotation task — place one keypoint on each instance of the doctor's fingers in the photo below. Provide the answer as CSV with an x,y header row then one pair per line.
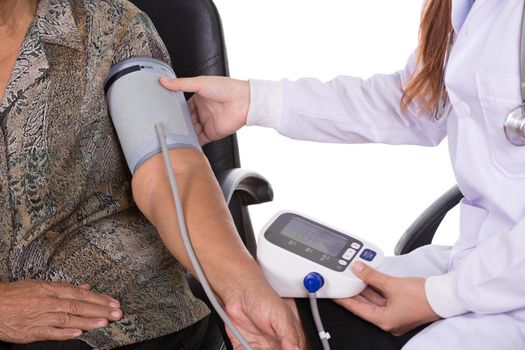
x,y
374,297
203,138
198,123
372,277
360,298
183,84
192,108
366,310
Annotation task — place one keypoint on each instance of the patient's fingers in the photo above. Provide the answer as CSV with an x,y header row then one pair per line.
x,y
68,291
51,333
84,309
66,320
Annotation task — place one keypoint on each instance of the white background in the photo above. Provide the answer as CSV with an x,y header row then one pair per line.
x,y
373,191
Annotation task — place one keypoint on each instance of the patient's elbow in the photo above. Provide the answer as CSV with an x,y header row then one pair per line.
x,y
150,183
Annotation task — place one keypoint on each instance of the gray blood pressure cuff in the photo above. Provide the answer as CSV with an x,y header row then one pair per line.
x,y
137,102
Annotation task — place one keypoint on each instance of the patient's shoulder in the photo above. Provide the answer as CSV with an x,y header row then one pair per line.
x,y
105,16
119,29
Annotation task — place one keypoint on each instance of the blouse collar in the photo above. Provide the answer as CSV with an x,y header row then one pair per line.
x,y
55,24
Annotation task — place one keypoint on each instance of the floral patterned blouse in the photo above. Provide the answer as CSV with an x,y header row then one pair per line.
x,y
66,209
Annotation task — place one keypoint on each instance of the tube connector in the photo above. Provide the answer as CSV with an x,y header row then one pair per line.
x,y
324,335
313,282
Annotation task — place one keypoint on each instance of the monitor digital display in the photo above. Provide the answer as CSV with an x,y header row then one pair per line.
x,y
314,236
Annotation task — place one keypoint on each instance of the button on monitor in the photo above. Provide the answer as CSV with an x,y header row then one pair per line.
x,y
349,254
368,255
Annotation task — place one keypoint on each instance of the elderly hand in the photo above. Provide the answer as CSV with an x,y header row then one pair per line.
x,y
38,310
219,107
263,318
394,304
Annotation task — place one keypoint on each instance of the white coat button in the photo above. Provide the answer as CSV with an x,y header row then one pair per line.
x,y
463,110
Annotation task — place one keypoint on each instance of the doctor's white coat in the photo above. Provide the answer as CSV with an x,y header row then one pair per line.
x,y
478,285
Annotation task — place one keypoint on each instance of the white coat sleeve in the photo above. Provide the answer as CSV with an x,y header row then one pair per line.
x,y
344,110
489,281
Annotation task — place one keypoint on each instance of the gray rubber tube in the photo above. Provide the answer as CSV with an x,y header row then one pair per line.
x,y
187,242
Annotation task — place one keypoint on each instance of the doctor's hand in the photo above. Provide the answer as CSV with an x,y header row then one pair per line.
x,y
262,317
394,304
219,106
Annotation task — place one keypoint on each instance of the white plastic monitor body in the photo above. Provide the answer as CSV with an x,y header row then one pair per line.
x,y
291,245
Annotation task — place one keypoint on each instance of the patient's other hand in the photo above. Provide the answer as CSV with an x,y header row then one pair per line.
x,y
219,107
263,318
38,310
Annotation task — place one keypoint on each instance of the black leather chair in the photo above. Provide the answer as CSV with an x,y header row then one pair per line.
x,y
192,33
422,231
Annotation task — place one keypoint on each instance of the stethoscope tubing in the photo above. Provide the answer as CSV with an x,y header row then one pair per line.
x,y
514,125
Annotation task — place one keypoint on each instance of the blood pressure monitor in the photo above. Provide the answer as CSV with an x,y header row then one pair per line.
x,y
291,246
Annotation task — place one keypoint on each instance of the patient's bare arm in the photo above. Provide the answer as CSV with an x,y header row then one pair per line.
x,y
258,312
209,224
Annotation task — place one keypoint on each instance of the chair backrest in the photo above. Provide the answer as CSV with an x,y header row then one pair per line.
x,y
423,229
192,33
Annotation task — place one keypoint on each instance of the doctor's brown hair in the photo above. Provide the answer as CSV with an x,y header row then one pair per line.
x,y
434,32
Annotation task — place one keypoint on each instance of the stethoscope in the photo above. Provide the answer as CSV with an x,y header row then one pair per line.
x,y
514,125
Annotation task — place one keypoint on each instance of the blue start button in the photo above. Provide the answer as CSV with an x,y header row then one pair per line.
x,y
368,255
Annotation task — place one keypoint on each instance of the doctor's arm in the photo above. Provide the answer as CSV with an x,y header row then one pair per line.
x,y
488,281
344,110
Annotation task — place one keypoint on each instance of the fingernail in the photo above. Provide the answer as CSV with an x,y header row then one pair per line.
x,y
102,323
116,314
114,304
76,333
358,266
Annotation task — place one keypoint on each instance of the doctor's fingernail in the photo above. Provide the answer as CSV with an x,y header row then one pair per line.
x,y
358,266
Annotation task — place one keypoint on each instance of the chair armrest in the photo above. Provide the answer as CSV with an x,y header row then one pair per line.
x,y
254,187
424,228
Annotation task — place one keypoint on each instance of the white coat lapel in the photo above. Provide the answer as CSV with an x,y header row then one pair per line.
x,y
460,10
